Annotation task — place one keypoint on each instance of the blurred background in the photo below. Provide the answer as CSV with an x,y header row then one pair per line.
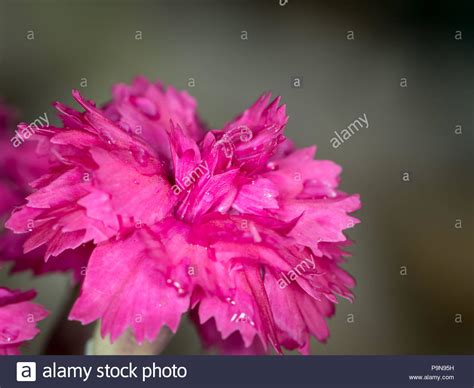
x,y
413,267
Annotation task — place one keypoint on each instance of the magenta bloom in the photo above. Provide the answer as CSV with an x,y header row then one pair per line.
x,y
18,318
18,167
233,225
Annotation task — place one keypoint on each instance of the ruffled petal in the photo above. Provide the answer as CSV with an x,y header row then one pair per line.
x,y
18,318
146,108
298,174
251,139
124,287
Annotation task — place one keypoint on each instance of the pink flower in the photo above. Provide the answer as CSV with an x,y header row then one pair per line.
x,y
18,318
235,226
18,167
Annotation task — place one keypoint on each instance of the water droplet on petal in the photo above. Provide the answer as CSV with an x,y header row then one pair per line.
x,y
222,209
107,137
208,196
272,166
9,335
179,289
141,156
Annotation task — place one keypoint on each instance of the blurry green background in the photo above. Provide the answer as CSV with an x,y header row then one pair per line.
x,y
410,129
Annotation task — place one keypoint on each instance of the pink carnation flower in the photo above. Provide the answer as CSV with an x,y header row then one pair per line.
x,y
18,318
235,225
18,167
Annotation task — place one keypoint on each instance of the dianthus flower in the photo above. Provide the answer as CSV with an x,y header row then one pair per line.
x,y
235,226
18,167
